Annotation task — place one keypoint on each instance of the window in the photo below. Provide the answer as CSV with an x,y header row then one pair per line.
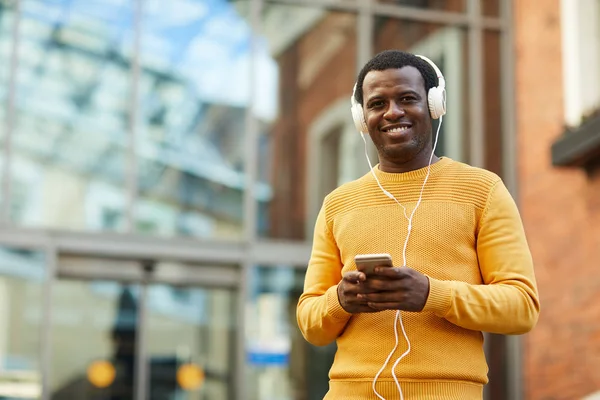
x,y
579,146
337,155
309,100
581,59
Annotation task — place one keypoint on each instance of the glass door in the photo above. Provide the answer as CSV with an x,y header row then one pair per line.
x,y
189,343
131,329
21,308
94,331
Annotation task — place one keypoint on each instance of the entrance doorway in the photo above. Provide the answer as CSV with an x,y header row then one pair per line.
x,y
142,329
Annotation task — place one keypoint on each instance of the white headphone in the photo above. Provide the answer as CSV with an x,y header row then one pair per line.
x,y
436,98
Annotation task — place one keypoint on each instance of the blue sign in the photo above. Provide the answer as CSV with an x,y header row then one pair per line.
x,y
268,359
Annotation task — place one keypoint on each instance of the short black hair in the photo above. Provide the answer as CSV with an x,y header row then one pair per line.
x,y
392,59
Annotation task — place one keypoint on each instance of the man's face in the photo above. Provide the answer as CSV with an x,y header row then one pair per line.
x,y
397,115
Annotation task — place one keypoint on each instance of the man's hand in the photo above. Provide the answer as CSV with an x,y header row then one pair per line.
x,y
348,290
395,289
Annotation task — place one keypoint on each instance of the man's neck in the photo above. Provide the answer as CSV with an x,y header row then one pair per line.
x,y
412,165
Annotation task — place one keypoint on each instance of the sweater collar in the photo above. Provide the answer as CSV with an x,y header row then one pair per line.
x,y
411,175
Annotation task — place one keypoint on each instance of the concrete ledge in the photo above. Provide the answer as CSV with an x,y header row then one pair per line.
x,y
580,147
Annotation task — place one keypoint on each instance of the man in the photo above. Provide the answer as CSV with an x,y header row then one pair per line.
x,y
468,268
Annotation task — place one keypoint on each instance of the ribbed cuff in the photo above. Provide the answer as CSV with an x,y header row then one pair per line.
x,y
334,308
440,297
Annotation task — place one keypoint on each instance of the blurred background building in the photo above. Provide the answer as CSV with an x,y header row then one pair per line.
x,y
163,162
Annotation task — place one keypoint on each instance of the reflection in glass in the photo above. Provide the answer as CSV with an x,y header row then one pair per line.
x,y
281,364
194,95
7,11
189,340
447,47
72,96
93,324
21,278
444,5
313,54
188,333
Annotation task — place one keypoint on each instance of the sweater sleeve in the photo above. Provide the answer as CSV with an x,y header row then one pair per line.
x,y
320,316
507,302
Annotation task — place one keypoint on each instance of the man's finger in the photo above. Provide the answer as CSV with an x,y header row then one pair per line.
x,y
381,297
376,283
391,273
355,276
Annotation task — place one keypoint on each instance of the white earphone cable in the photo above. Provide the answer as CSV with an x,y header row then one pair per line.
x,y
398,317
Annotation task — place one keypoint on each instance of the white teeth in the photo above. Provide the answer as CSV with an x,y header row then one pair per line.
x,y
402,128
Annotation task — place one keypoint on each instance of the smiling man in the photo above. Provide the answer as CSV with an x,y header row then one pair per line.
x,y
463,265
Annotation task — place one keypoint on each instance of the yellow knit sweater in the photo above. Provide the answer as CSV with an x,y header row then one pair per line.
x,y
467,237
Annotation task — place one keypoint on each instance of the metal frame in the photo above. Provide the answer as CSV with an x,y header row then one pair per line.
x,y
364,33
132,159
10,117
240,339
46,331
514,344
141,359
251,250
507,70
131,246
477,131
251,138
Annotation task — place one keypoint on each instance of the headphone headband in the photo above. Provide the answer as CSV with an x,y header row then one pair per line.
x,y
441,80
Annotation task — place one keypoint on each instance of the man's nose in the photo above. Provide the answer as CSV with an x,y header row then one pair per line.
x,y
394,111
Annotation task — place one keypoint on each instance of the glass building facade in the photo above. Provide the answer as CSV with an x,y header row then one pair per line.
x,y
162,166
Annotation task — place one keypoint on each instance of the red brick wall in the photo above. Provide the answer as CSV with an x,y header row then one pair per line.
x,y
561,212
299,106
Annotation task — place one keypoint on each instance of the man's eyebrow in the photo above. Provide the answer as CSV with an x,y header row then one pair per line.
x,y
373,97
402,93
409,91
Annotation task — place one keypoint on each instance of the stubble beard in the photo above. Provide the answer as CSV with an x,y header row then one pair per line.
x,y
416,147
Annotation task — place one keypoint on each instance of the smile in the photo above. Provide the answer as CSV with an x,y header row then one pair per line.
x,y
397,130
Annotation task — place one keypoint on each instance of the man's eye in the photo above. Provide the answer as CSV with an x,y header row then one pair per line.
x,y
408,99
376,104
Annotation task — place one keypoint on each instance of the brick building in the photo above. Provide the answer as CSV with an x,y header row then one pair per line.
x,y
557,88
527,129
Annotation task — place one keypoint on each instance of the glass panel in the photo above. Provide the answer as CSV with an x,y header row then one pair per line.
x,y
281,363
194,95
94,329
6,27
490,8
493,101
445,5
21,299
72,114
447,47
190,337
307,58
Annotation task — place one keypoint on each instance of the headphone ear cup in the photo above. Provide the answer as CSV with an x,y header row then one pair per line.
x,y
359,118
436,99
